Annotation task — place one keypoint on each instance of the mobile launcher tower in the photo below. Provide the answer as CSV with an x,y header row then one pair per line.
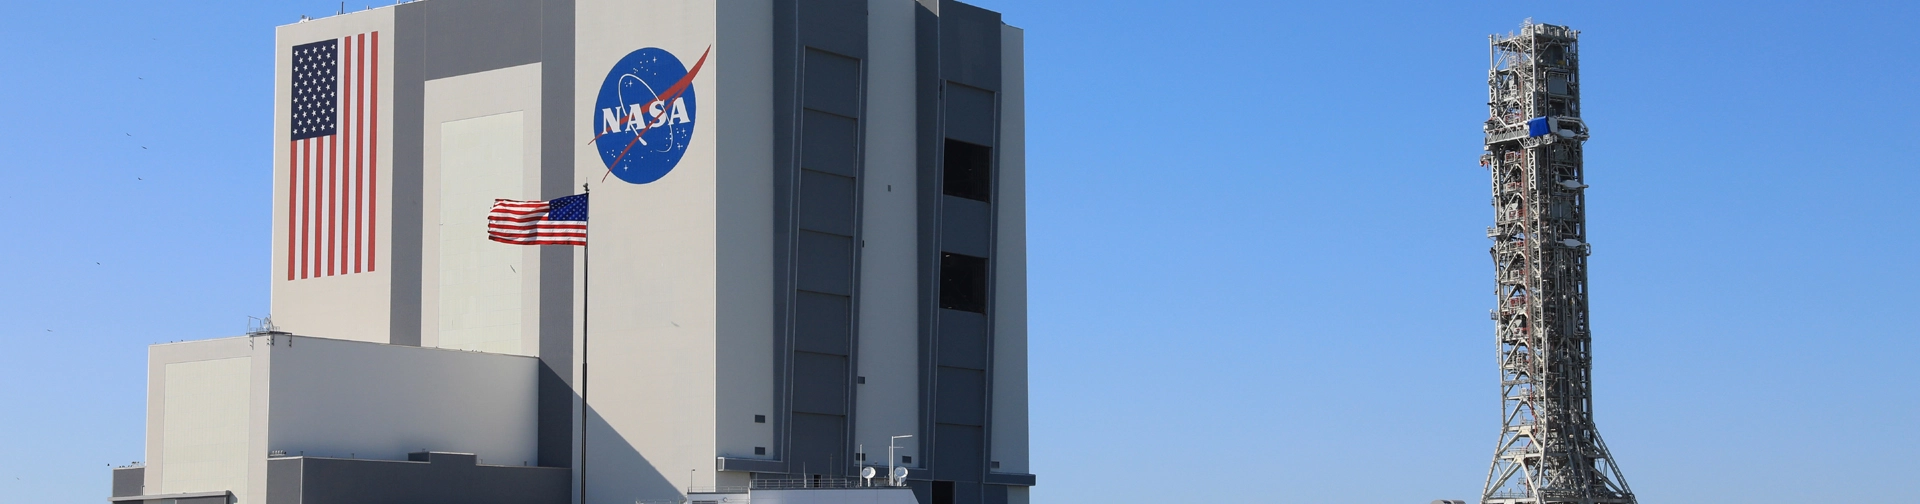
x,y
1549,449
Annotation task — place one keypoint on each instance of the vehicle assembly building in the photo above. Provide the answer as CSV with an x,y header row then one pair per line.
x,y
1549,449
805,258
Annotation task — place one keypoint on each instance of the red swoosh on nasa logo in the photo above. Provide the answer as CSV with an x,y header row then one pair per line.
x,y
672,93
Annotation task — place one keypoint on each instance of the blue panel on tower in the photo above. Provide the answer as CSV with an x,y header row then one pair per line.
x,y
1537,126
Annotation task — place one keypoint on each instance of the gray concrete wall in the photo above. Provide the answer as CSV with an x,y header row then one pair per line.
x,y
430,478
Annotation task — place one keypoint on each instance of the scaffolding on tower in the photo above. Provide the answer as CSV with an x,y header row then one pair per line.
x,y
1549,451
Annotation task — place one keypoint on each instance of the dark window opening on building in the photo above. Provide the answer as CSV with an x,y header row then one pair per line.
x,y
859,457
996,464
759,450
963,282
906,459
968,171
942,492
759,419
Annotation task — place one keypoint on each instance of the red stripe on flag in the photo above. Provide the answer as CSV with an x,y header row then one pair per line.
x,y
373,160
359,149
336,250
306,201
332,196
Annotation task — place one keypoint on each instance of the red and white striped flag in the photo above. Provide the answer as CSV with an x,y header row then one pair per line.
x,y
333,160
562,221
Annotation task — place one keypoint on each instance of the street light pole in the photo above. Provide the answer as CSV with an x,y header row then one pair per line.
x,y
891,460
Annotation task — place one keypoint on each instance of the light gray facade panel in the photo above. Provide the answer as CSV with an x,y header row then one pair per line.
x,y
966,226
471,36
826,263
826,203
970,114
963,394
823,324
830,143
831,83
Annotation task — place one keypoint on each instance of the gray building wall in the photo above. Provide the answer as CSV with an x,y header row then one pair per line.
x,y
959,67
820,48
129,481
426,478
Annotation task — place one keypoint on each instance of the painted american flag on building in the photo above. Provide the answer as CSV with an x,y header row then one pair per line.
x,y
333,165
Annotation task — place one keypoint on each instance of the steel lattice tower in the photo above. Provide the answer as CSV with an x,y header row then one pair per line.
x,y
1549,449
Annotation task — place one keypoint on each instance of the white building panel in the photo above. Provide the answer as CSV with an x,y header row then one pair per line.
x,y
204,426
350,399
481,159
1010,433
354,299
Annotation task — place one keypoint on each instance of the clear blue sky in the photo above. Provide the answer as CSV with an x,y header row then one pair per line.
x,y
1259,269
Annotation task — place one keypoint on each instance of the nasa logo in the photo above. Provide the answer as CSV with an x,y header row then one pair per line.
x,y
646,114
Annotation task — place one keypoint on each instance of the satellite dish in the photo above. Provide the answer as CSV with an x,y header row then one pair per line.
x,y
868,472
899,474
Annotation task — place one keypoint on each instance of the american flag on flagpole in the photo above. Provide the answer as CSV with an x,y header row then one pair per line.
x,y
333,161
562,221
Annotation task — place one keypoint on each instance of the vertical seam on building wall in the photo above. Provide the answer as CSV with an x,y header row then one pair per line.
x,y
930,292
405,169
851,385
993,292
787,277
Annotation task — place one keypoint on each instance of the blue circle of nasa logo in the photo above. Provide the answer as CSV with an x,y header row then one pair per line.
x,y
645,115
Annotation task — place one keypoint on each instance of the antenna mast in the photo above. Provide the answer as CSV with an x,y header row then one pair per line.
x,y
1549,450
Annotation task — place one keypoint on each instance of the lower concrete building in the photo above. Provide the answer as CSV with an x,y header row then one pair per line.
x,y
805,257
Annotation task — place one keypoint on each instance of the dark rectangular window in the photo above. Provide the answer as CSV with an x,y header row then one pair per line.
x,y
968,171
759,450
963,282
943,492
759,419
906,459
